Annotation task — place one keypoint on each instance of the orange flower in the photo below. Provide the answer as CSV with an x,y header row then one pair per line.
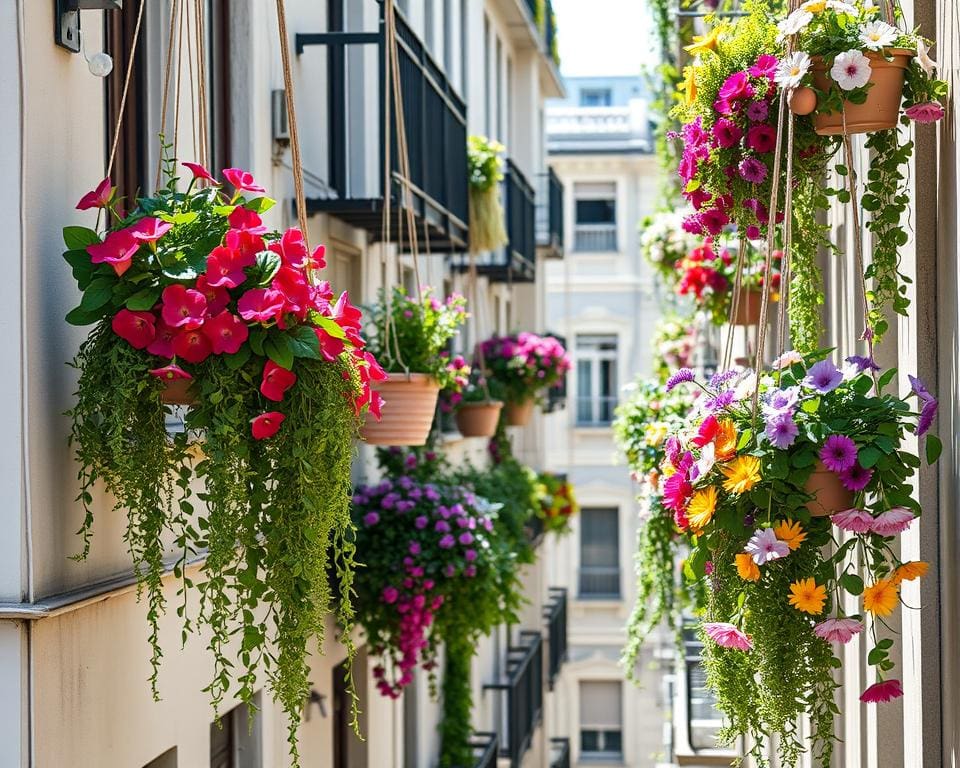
x,y
726,440
790,533
881,598
742,474
747,568
701,508
808,596
910,571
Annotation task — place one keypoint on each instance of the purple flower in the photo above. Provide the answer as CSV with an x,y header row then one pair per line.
x,y
421,522
752,170
758,111
721,401
470,555
781,401
449,571
488,524
753,232
856,478
781,430
410,461
928,410
431,493
839,453
405,506
442,526
447,541
764,546
823,377
390,595
719,379
466,538
727,133
862,363
389,501
414,548
371,518
470,571
682,376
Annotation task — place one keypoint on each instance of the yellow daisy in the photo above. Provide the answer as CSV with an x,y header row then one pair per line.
x,y
742,474
747,568
705,42
910,571
790,533
701,508
808,596
881,598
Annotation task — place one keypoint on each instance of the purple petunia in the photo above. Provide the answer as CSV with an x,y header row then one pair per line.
x,y
862,363
421,522
371,518
823,377
718,403
752,170
839,453
781,430
682,376
781,401
856,478
929,405
447,541
758,111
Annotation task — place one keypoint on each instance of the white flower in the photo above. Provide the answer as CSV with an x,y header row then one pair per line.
x,y
764,546
850,70
870,8
708,457
841,7
786,360
795,22
746,386
923,58
878,34
790,70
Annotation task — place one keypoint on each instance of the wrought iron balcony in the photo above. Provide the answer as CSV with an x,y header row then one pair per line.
x,y
523,691
484,746
555,614
550,214
436,130
560,753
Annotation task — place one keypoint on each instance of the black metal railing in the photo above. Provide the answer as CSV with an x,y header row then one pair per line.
x,y
550,213
524,694
560,753
435,120
555,613
484,747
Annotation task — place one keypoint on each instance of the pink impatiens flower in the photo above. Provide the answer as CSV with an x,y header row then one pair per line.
x,y
266,425
97,198
727,636
116,250
927,112
149,229
183,307
226,332
882,692
260,305
276,381
242,180
137,328
892,522
199,172
170,372
840,630
853,520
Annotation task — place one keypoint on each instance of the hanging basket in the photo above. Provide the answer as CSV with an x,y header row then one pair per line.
x,y
881,110
478,419
487,229
409,403
749,306
829,495
518,414
178,392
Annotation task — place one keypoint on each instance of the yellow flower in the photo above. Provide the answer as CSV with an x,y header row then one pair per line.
x,y
747,568
881,598
726,440
655,434
701,508
742,474
689,85
790,533
705,42
814,6
910,571
808,596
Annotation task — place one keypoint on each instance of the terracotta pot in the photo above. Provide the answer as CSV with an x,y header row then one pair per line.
x,y
178,392
518,414
881,110
409,403
829,495
749,306
478,419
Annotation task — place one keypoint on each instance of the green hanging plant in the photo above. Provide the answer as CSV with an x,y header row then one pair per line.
x,y
485,172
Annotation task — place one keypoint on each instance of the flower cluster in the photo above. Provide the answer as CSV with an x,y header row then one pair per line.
x,y
673,343
664,242
457,376
558,502
522,365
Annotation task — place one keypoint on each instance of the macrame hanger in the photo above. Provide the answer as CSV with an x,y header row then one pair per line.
x,y
126,87
734,303
167,70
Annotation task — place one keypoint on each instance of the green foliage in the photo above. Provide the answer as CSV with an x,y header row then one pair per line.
x,y
457,701
484,163
805,296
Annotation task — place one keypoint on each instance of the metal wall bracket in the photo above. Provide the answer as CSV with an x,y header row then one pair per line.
x,y
66,19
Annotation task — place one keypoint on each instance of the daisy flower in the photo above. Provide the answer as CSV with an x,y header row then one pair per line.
x,y
795,22
727,636
839,453
851,70
840,630
746,567
878,34
881,598
808,596
790,72
790,533
742,474
764,546
882,692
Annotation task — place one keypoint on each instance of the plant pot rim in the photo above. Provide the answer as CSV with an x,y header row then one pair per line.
x,y
412,377
491,403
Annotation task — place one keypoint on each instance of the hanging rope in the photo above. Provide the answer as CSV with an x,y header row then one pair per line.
x,y
177,89
126,88
167,69
785,269
734,304
203,149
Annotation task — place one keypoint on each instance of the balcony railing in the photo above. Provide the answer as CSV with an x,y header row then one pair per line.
x,y
599,582
484,746
550,214
556,615
560,753
436,130
524,694
595,238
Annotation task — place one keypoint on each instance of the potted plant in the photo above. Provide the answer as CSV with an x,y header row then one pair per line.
x,y
190,287
738,480
558,503
484,174
520,367
664,243
409,334
478,413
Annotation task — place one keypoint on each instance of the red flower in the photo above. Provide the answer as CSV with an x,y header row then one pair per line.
x,y
193,346
117,250
266,424
199,172
276,381
247,244
162,344
349,318
170,372
149,229
224,268
226,332
217,296
245,220
136,327
293,286
261,305
762,138
98,198
882,692
330,347
241,180
183,307
707,432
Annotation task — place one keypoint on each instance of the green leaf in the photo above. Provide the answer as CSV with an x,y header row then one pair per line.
x,y
78,238
264,269
875,656
886,644
97,294
260,204
255,340
80,316
83,268
235,361
279,349
304,342
144,299
886,377
852,583
812,405
331,326
933,448
869,456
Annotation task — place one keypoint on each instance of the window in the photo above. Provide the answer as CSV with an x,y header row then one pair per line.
x,y
167,760
601,720
235,741
596,357
596,216
218,84
596,97
600,552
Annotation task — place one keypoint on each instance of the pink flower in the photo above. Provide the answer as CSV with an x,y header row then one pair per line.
x,y
714,220
839,453
170,372
882,692
226,332
838,630
927,112
293,286
758,111
727,133
752,170
856,478
762,139
224,268
162,344
764,546
149,229
242,180
266,424
98,198
292,249
245,220
247,244
766,66
276,381
892,522
853,520
137,328
199,172
192,345
183,307
727,636
260,305
735,87
390,595
216,295
116,250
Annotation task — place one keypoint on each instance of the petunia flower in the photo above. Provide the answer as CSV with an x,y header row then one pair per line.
x,y
765,66
192,345
752,170
727,133
839,453
764,546
762,139
925,112
856,478
260,305
851,70
276,381
162,344
170,372
928,411
245,220
266,425
149,229
781,430
758,111
823,377
117,250
882,692
892,522
727,636
137,328
853,521
839,630
224,268
97,198
242,180
226,332
863,363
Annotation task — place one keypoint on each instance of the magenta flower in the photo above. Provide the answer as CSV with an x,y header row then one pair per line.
x,y
683,376
824,377
149,229
260,305
839,453
371,518
892,522
245,220
752,170
183,307
840,630
242,180
266,425
762,139
714,220
927,112
447,541
226,332
224,268
766,66
764,546
727,133
390,595
853,521
856,478
758,111
170,373
276,381
727,636
735,87
162,344
200,173
137,328
97,198
882,692
192,345
116,250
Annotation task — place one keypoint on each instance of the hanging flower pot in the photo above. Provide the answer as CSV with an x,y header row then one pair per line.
x,y
479,419
829,495
409,403
749,307
881,109
518,414
178,392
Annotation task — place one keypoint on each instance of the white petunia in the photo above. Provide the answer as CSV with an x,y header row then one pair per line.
x,y
927,64
791,69
795,22
878,34
850,70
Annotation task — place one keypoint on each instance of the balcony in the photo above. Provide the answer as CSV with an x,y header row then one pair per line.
x,y
555,613
531,23
436,130
560,753
550,215
523,691
484,746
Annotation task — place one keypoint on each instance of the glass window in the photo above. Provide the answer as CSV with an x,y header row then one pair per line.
x,y
595,211
235,742
596,357
601,720
596,97
600,552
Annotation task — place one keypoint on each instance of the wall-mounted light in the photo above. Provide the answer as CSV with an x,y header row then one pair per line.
x,y
66,20
315,698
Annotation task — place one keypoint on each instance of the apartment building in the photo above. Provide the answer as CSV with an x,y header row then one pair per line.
x,y
73,656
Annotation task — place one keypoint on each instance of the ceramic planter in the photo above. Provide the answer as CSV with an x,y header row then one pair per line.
x,y
829,495
409,403
478,419
178,392
881,110
748,309
518,414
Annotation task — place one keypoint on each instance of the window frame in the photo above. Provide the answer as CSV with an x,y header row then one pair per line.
x,y
602,731
604,571
591,237
596,402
